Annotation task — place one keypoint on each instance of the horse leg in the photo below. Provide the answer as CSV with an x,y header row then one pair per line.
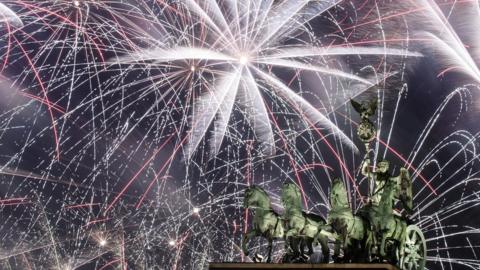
x,y
357,252
368,247
270,245
293,241
374,243
401,248
285,258
382,245
336,251
296,242
302,247
246,238
364,254
347,248
310,246
325,250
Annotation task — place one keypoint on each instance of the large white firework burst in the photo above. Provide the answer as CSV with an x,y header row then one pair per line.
x,y
239,42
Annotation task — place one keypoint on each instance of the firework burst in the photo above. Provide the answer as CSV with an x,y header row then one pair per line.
x,y
129,130
231,49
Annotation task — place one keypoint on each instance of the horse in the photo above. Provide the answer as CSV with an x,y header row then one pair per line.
x,y
352,230
266,222
304,229
387,223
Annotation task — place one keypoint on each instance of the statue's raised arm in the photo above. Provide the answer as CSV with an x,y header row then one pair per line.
x,y
366,170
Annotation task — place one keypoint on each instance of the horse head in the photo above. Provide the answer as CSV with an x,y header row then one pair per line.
x,y
256,197
291,195
338,194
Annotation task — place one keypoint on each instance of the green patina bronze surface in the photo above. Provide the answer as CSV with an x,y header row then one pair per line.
x,y
266,223
304,229
377,232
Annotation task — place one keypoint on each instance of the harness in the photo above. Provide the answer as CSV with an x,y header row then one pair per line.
x,y
276,225
340,213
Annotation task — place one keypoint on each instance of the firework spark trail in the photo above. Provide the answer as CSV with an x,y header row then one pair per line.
x,y
146,90
449,43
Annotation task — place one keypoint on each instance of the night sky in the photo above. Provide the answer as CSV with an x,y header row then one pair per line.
x,y
129,130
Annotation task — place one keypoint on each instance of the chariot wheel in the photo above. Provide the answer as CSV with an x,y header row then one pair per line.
x,y
415,250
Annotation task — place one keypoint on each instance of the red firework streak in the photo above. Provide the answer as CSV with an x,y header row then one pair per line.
x,y
67,21
14,201
110,263
130,182
177,147
44,91
247,178
314,165
292,161
165,165
330,147
179,245
81,205
96,221
9,44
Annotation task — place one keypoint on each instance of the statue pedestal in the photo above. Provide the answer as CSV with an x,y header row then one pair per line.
x,y
273,266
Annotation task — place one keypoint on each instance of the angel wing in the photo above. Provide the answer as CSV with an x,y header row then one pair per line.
x,y
372,107
357,106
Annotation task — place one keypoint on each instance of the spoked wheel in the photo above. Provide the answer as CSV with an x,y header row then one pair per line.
x,y
415,251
